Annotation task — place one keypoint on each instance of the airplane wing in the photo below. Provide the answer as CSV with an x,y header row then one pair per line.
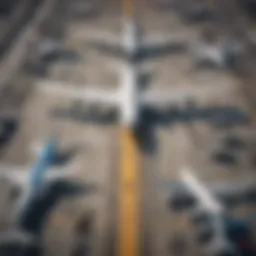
x,y
61,173
88,94
209,54
181,94
162,98
203,194
229,193
19,175
235,191
233,187
157,44
16,174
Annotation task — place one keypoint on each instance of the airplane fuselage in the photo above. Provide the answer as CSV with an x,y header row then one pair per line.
x,y
128,95
131,38
36,178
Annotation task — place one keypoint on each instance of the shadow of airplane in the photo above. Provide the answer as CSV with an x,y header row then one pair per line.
x,y
225,158
233,142
80,115
34,218
8,127
195,13
218,117
143,55
227,154
13,248
61,55
248,6
64,156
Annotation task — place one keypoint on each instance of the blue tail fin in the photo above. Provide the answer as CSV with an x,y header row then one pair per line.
x,y
44,160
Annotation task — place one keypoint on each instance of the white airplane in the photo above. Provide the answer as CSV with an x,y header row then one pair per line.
x,y
132,44
32,186
129,98
210,54
219,54
208,204
229,193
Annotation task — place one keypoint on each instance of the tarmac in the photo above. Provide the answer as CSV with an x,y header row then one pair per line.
x,y
193,143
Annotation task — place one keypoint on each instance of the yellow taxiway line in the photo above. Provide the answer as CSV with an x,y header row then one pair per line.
x,y
128,8
128,226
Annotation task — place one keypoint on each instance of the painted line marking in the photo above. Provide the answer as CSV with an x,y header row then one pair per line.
x,y
128,228
128,8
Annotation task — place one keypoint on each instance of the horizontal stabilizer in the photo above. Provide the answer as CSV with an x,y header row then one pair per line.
x,y
181,95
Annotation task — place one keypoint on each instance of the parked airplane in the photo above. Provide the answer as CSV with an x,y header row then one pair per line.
x,y
133,45
130,98
220,55
32,186
209,206
217,231
228,193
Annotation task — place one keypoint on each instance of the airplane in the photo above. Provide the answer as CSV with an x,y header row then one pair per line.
x,y
129,98
133,45
209,55
230,194
32,185
221,55
206,207
209,206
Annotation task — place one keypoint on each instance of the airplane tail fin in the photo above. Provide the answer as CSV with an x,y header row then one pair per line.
x,y
37,147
